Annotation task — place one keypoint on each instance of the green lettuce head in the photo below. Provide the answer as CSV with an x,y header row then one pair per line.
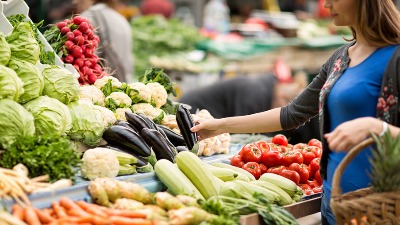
x,y
87,123
5,51
50,116
23,43
11,86
30,76
60,83
15,122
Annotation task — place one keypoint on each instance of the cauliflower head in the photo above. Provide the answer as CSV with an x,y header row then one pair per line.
x,y
108,116
92,94
150,111
100,83
118,100
99,162
120,113
159,95
140,92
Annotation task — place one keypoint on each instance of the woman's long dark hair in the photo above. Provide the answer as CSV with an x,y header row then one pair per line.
x,y
378,21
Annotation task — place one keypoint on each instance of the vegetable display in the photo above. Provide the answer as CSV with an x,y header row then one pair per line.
x,y
299,163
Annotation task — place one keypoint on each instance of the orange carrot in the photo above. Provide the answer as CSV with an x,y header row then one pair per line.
x,y
72,207
77,213
93,208
58,210
44,216
126,213
17,211
31,218
119,220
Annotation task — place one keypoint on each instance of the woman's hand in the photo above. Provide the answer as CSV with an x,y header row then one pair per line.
x,y
207,128
349,134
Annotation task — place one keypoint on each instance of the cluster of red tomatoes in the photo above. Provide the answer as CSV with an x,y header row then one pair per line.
x,y
299,162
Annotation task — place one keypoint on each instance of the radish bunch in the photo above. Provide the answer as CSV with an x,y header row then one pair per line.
x,y
75,42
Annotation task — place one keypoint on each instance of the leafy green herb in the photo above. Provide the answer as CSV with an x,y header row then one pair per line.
x,y
52,155
158,75
45,57
230,207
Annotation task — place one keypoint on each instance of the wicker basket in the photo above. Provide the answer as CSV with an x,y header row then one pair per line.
x,y
363,206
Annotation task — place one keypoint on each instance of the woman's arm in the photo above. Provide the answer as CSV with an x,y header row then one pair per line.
x,y
263,122
352,132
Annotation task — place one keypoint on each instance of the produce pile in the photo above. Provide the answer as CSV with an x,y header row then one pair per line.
x,y
156,36
75,42
299,162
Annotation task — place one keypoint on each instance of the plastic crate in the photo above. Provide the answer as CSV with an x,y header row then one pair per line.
x,y
13,7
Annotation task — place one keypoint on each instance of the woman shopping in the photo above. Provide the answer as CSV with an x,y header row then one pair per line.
x,y
354,94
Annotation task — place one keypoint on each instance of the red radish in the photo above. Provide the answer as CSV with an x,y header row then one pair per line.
x,y
77,20
83,27
76,51
89,51
69,59
88,63
77,33
65,30
89,32
62,24
94,60
79,40
79,62
70,36
69,44
92,78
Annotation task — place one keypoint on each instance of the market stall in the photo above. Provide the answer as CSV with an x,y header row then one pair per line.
x,y
77,145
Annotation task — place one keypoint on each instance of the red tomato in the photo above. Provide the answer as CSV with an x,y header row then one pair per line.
x,y
315,142
313,183
280,139
308,192
302,171
262,145
292,157
309,153
318,178
272,158
291,175
317,190
250,153
253,168
300,146
263,168
237,161
276,169
314,166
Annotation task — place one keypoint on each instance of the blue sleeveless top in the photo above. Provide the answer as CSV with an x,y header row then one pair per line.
x,y
355,95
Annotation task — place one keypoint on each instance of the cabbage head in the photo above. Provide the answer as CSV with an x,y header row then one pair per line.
x,y
5,51
15,122
50,115
61,84
11,86
32,78
23,43
87,123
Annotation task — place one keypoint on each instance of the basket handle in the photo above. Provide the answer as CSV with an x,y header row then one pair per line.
x,y
337,176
